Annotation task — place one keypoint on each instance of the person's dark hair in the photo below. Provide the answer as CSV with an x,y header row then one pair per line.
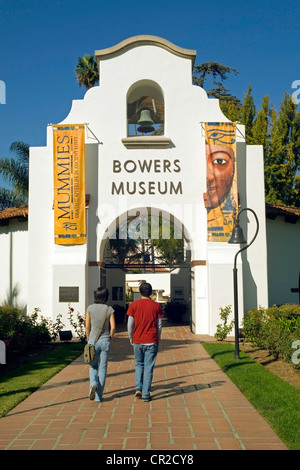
x,y
101,295
145,289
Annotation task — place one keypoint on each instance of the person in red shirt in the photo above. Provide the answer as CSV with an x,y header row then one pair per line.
x,y
144,330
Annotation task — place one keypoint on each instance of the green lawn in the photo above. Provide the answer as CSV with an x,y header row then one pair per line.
x,y
276,400
18,384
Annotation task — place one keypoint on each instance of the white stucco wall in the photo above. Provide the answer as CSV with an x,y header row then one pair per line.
x,y
283,260
41,230
255,268
14,262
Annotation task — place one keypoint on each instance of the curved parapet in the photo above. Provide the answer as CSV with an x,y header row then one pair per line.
x,y
141,41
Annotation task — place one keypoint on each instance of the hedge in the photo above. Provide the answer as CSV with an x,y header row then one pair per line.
x,y
276,329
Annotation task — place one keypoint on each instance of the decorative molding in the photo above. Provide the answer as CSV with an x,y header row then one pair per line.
x,y
198,262
146,142
99,264
143,40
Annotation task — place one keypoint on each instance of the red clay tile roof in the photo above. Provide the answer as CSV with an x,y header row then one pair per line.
x,y
12,212
22,211
291,214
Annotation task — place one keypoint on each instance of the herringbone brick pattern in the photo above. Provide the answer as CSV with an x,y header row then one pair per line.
x,y
194,406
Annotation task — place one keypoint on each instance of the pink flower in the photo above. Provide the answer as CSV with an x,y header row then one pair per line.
x,y
20,334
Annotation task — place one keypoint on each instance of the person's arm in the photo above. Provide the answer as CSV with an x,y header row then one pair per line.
x,y
87,325
159,323
130,328
112,325
159,327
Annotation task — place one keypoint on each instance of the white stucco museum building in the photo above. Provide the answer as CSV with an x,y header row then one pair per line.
x,y
146,131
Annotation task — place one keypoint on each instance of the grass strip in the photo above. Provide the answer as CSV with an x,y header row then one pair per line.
x,y
276,400
18,384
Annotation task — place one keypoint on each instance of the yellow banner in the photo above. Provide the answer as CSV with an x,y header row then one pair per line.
x,y
69,184
221,180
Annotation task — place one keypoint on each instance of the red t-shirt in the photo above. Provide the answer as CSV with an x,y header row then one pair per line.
x,y
145,313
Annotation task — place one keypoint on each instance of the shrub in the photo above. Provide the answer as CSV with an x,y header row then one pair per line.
x,y
223,329
21,333
78,326
274,329
253,325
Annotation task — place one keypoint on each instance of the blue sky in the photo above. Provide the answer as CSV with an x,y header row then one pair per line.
x,y
40,42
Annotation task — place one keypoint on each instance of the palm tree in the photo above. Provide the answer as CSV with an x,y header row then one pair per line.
x,y
87,71
16,171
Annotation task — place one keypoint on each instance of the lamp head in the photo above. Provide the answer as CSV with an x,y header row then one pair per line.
x,y
237,235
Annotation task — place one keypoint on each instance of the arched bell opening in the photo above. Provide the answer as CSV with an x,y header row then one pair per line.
x,y
145,109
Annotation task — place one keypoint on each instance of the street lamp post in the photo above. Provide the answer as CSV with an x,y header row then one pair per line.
x,y
237,237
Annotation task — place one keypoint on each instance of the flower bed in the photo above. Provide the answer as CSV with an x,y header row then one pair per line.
x,y
21,333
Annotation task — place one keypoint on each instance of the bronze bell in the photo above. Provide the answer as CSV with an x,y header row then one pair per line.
x,y
145,122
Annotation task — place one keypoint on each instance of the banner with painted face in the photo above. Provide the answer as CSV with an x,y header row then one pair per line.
x,y
69,184
221,180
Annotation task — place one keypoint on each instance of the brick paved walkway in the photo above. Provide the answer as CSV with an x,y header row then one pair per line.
x,y
194,406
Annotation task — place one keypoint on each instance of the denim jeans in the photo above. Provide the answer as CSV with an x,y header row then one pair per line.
x,y
145,357
98,367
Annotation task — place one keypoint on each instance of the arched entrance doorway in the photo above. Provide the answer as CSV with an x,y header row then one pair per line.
x,y
151,245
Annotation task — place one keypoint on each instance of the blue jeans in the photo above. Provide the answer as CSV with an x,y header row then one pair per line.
x,y
98,367
145,357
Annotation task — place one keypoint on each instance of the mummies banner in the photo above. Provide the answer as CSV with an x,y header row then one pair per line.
x,y
221,180
69,185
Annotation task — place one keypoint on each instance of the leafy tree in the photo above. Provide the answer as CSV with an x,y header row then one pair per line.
x,y
87,73
16,171
279,134
123,249
7,199
163,251
282,159
261,126
215,73
248,112
231,109
170,250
